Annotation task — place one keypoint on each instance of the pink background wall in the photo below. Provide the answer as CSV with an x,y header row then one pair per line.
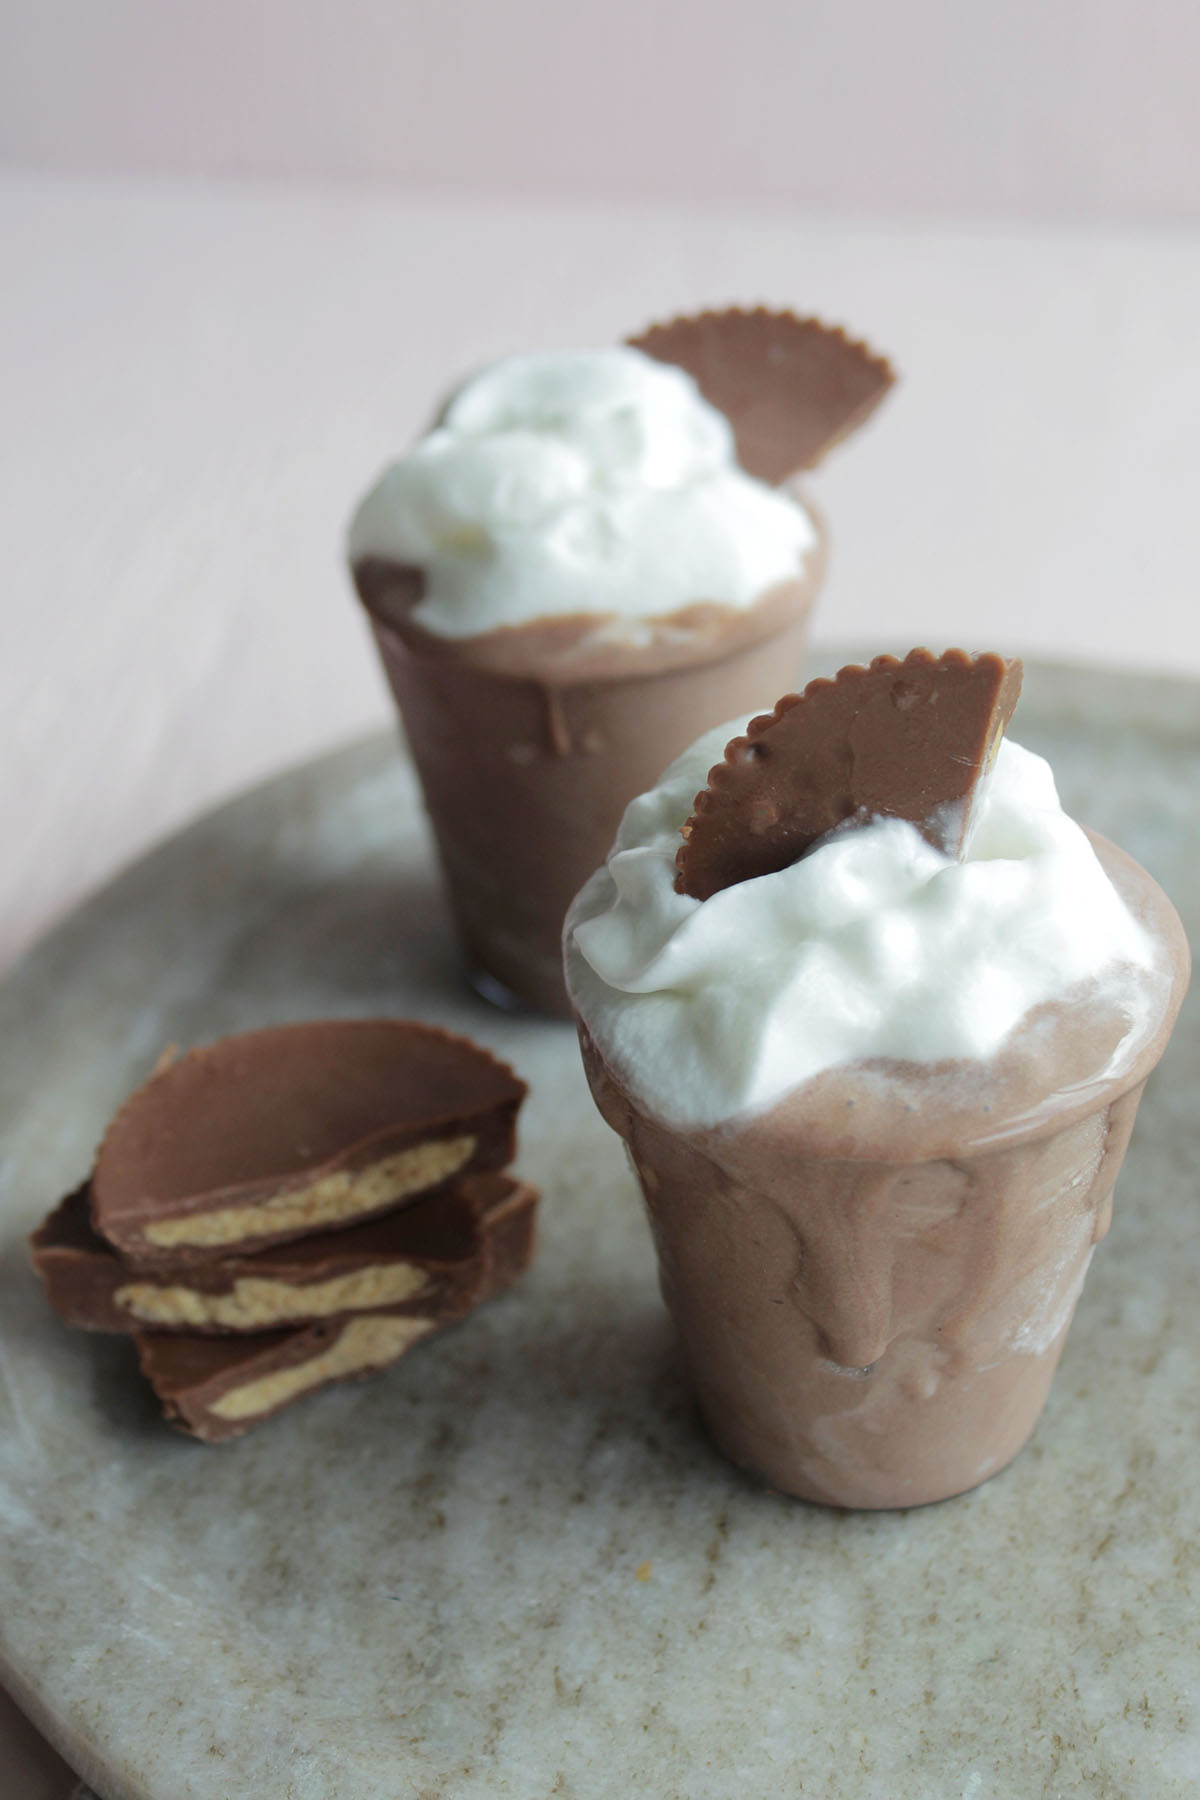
x,y
1039,107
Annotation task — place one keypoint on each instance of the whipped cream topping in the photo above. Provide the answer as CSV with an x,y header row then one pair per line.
x,y
579,482
873,945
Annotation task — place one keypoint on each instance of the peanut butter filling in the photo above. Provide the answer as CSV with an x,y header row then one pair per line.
x,y
346,1194
253,1302
364,1344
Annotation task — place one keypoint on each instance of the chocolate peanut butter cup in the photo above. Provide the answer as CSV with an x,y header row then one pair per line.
x,y
271,1136
791,388
902,740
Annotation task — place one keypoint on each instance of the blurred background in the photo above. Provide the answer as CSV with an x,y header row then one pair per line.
x,y
1026,108
246,246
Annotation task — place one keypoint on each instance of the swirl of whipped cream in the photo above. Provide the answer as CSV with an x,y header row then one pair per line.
x,y
579,482
874,945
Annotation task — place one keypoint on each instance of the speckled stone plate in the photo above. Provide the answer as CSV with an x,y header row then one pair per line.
x,y
512,1566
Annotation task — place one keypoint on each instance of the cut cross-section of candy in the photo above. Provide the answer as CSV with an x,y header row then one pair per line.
x,y
276,1134
217,1387
425,1257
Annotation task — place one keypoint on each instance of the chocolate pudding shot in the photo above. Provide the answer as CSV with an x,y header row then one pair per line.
x,y
589,558
873,1017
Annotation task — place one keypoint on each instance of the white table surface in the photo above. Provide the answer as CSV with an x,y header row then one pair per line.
x,y
197,381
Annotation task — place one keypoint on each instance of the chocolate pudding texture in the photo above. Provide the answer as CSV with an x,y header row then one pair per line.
x,y
591,660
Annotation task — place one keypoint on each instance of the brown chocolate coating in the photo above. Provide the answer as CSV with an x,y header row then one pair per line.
x,y
530,742
791,388
438,1239
217,1387
872,1281
254,1140
903,740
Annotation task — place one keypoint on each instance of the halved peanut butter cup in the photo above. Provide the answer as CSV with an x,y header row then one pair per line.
x,y
903,740
267,1137
791,388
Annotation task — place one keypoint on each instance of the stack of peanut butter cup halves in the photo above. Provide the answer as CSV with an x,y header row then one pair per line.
x,y
293,1207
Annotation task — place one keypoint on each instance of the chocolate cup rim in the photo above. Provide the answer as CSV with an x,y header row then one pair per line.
x,y
762,619
1058,1109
